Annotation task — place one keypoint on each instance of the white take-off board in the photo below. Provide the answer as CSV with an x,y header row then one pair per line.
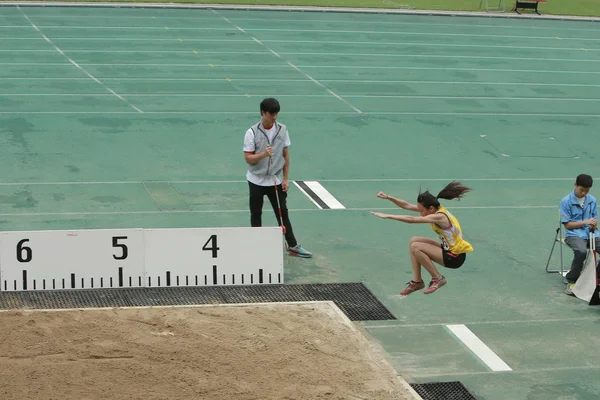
x,y
113,258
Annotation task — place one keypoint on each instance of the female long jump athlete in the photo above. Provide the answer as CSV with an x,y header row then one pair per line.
x,y
424,251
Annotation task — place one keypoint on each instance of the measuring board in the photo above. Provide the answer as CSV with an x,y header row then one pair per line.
x,y
113,258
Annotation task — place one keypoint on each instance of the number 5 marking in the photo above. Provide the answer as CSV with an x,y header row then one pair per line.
x,y
115,243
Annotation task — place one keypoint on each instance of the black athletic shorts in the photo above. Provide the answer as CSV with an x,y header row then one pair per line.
x,y
452,260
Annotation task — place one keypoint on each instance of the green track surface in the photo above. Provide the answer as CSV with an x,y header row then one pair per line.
x,y
510,107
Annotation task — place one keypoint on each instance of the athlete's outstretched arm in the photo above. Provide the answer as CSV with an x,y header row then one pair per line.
x,y
400,203
436,218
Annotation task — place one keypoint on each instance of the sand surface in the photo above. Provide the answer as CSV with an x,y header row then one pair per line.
x,y
273,351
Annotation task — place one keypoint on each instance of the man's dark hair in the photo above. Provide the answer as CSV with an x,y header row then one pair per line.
x,y
584,180
269,105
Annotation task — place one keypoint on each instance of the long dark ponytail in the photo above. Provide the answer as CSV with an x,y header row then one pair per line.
x,y
453,190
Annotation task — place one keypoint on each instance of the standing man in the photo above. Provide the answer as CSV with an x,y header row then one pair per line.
x,y
579,214
266,150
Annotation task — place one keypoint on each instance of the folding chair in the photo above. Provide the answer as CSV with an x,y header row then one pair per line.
x,y
500,7
558,238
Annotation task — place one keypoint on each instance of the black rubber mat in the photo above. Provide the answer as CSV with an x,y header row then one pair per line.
x,y
354,299
443,391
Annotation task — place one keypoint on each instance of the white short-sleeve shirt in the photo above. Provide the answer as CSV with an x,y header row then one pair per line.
x,y
266,180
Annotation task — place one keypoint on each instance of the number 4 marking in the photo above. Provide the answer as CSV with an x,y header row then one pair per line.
x,y
213,241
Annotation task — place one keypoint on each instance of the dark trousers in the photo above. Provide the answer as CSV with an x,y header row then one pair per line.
x,y
580,248
257,194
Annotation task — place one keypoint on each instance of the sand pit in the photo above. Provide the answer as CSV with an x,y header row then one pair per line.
x,y
275,351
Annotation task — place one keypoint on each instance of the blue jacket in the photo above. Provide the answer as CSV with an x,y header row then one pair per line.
x,y
572,211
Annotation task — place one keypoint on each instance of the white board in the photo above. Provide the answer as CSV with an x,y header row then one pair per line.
x,y
77,259
219,256
113,258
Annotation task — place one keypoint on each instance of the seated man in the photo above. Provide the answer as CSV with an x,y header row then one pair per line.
x,y
579,214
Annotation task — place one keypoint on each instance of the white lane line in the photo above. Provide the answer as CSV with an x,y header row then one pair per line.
x,y
326,31
329,54
357,96
77,65
521,84
317,42
443,179
316,112
292,65
479,348
545,371
133,182
336,67
495,322
85,213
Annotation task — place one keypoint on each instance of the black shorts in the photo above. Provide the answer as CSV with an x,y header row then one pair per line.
x,y
452,260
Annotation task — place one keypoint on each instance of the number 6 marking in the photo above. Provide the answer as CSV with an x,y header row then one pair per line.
x,y
21,248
